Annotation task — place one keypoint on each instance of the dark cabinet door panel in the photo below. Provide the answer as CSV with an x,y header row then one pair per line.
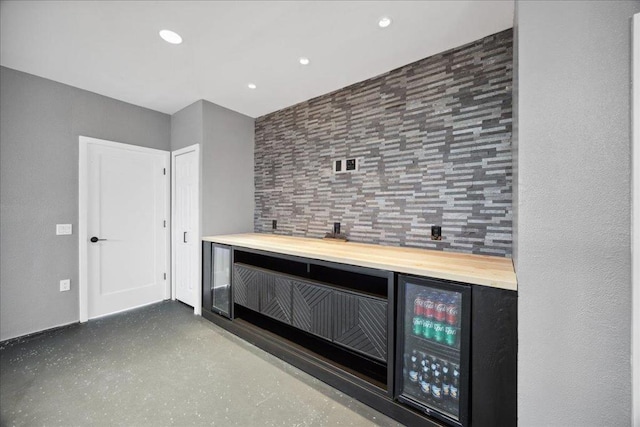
x,y
353,321
275,298
246,287
312,309
360,323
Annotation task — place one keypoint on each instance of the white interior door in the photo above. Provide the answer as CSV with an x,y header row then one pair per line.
x,y
186,238
125,194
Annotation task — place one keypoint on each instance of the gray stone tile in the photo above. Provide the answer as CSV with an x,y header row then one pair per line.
x,y
434,139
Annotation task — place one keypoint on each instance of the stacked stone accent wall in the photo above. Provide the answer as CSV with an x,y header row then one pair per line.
x,y
434,143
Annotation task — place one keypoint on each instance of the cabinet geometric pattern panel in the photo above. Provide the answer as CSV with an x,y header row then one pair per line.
x,y
275,298
312,309
360,323
246,286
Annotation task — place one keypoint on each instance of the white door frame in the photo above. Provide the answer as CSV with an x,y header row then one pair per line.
x,y
198,299
635,223
83,193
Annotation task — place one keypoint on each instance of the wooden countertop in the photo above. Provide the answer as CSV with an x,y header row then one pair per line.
x,y
496,272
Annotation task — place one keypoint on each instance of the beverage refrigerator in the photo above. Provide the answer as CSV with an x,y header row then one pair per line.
x,y
432,360
216,290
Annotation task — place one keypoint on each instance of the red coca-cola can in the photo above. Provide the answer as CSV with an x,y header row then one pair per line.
x,y
452,312
441,309
418,306
429,306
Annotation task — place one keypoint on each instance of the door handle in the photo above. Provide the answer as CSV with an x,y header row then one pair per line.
x,y
94,239
184,237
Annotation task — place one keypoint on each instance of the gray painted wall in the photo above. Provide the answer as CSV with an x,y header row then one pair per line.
x,y
573,262
186,126
226,141
434,137
227,175
40,121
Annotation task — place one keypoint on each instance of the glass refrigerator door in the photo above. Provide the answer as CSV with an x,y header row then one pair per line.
x,y
433,332
221,280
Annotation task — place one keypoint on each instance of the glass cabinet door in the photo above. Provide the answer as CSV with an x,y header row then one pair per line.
x,y
433,335
221,280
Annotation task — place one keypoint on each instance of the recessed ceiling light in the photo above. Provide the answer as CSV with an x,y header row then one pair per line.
x,y
170,37
304,61
384,22
251,86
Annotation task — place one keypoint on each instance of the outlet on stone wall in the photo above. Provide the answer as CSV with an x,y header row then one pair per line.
x,y
338,166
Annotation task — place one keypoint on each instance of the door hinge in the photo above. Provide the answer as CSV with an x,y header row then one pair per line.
x,y
164,171
164,224
165,276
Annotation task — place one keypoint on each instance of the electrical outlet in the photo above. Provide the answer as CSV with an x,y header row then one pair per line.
x,y
436,232
352,165
65,285
63,229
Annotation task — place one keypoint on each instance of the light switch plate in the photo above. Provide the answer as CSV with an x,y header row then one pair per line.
x,y
65,285
348,165
338,166
63,229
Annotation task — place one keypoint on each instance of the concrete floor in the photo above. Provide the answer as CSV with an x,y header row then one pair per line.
x,y
161,365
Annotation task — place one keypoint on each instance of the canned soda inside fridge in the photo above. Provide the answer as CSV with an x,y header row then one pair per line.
x,y
433,348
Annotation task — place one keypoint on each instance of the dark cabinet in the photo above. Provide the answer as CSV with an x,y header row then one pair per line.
x,y
354,321
360,323
343,314
375,334
275,297
312,309
246,286
263,291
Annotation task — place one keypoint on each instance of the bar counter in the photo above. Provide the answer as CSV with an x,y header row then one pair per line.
x,y
492,271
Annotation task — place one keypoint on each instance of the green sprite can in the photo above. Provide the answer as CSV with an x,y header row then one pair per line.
x,y
438,328
427,330
417,325
450,333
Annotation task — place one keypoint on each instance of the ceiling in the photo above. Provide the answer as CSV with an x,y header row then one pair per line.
x,y
113,48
